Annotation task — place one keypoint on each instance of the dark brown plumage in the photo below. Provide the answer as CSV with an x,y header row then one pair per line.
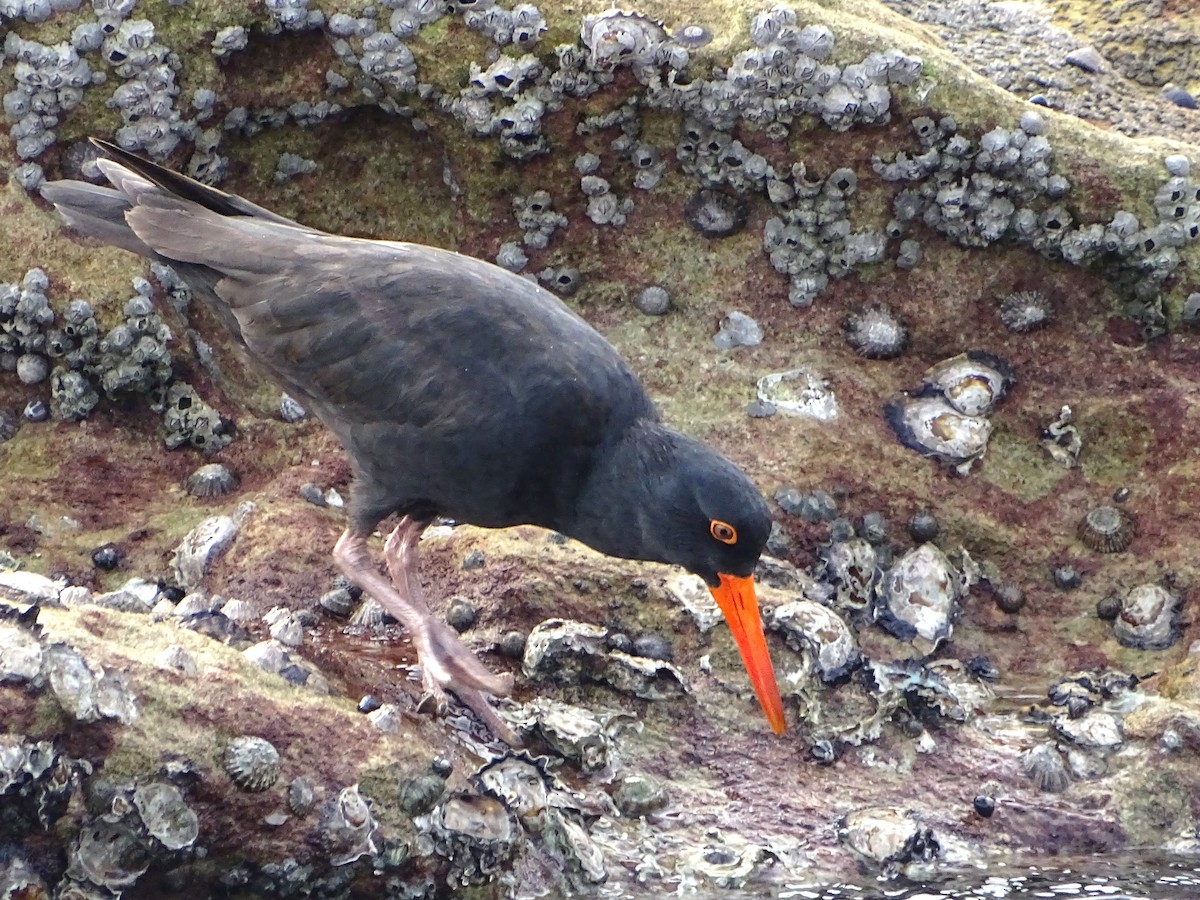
x,y
457,389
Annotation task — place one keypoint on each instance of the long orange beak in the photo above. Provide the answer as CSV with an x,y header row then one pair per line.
x,y
736,598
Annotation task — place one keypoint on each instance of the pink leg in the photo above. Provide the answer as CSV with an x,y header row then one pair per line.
x,y
446,663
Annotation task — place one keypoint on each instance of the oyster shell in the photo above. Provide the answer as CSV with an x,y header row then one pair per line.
x,y
544,806
820,632
852,568
917,599
577,733
1148,619
35,778
109,852
690,592
972,382
348,828
887,837
1096,730
478,835
934,428
86,694
570,652
521,784
166,815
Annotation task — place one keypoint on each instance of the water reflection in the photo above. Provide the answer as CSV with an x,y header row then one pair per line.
x,y
1134,878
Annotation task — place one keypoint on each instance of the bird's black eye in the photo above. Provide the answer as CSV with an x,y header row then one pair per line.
x,y
722,531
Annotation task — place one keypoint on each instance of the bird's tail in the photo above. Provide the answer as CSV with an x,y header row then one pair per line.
x,y
99,212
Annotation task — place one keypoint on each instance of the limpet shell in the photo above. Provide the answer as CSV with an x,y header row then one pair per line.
x,y
252,763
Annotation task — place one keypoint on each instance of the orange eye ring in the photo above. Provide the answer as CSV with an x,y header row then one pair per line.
x,y
722,531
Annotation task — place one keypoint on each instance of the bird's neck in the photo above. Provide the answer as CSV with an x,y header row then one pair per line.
x,y
618,505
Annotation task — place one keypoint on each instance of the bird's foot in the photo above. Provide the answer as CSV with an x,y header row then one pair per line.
x,y
435,703
448,662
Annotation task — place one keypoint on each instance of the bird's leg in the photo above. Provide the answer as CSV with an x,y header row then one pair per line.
x,y
445,661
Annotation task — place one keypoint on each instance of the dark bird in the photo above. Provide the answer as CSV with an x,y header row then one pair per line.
x,y
458,389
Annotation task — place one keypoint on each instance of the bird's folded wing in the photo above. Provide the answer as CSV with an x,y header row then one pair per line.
x,y
382,330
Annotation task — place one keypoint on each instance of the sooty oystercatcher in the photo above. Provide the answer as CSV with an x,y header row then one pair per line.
x,y
457,389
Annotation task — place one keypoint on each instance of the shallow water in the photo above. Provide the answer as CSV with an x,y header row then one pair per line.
x,y
1122,878
1126,879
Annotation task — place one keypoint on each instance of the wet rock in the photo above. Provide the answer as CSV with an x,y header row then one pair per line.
x,y
1088,59
738,330
20,649
178,659
29,587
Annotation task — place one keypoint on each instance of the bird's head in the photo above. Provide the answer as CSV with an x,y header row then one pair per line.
x,y
660,495
719,527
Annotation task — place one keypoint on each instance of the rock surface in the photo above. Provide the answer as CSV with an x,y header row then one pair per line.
x,y
578,139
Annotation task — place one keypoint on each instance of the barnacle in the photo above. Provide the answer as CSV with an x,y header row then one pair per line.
x,y
616,37
876,333
1045,767
653,301
715,214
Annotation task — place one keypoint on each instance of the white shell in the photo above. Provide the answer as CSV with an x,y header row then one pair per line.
x,y
801,392
1148,619
917,599
972,382
820,632
932,427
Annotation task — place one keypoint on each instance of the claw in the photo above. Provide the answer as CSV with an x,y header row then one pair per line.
x,y
432,703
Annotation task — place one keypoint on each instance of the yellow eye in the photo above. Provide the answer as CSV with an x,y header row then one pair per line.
x,y
722,531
